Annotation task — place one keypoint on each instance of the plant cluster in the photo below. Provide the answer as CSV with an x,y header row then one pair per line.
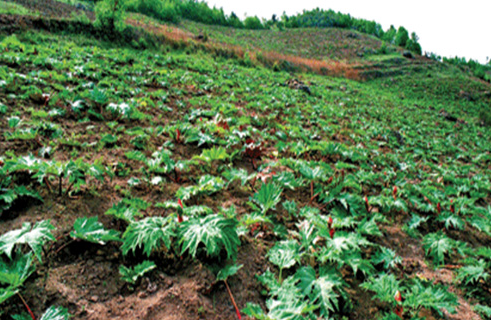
x,y
202,154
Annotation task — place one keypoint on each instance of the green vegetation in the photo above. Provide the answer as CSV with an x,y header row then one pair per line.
x,y
183,168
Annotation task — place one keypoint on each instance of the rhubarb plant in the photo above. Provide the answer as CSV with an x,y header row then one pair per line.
x,y
91,230
131,275
149,234
267,197
284,254
35,237
213,231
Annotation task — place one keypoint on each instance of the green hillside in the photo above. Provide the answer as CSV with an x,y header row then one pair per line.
x,y
155,174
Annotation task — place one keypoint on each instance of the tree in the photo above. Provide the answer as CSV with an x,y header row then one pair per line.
x,y
390,34
110,14
402,37
234,21
413,45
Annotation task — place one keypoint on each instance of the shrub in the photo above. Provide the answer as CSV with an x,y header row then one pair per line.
x,y
164,10
253,23
110,14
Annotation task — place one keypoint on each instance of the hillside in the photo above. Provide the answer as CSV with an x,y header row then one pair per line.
x,y
322,177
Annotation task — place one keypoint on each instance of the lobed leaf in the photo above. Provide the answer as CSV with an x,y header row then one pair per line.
x,y
149,233
213,231
131,275
35,238
91,230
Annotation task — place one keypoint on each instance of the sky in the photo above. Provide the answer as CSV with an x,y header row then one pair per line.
x,y
448,28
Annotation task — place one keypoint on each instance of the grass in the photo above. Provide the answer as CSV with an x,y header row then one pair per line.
x,y
13,8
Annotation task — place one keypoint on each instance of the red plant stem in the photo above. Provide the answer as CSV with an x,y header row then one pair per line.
x,y
64,246
233,300
313,197
311,191
47,184
58,239
27,306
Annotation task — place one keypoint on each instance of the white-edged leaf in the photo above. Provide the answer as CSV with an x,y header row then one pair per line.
x,y
35,238
90,229
149,233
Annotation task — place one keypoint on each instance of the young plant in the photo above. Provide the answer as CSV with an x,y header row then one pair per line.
x,y
214,231
284,254
212,155
35,238
322,290
267,197
91,230
312,175
149,233
437,245
131,275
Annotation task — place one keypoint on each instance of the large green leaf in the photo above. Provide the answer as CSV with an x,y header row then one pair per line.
x,y
56,313
385,287
35,238
53,313
148,233
473,272
6,293
124,212
284,254
90,229
267,197
228,271
426,295
311,174
213,231
437,245
16,271
213,154
320,290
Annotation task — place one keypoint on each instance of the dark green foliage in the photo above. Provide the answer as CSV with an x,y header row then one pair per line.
x,y
110,14
253,23
402,36
413,45
163,10
16,271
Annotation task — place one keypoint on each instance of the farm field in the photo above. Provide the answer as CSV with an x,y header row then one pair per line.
x,y
164,182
